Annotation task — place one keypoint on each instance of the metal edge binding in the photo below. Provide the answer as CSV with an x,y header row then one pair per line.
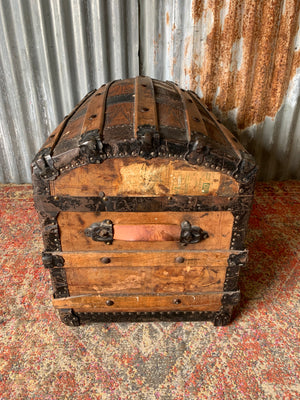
x,y
235,263
219,318
43,164
68,317
51,260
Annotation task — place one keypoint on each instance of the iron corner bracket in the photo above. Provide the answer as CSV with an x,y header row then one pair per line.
x,y
43,165
68,317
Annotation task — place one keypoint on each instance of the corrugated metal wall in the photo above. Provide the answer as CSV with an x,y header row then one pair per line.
x,y
241,56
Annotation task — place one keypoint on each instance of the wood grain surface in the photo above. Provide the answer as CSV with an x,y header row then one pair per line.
x,y
147,280
98,303
72,226
138,177
187,257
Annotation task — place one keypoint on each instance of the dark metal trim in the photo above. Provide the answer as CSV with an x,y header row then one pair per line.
x,y
235,262
223,316
59,282
142,204
191,234
51,261
50,230
239,230
68,317
43,163
219,318
101,231
231,298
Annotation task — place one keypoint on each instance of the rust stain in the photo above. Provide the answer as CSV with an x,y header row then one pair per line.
x,y
296,63
167,18
249,61
197,9
187,44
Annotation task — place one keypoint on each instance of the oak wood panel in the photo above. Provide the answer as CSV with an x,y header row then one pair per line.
x,y
191,258
138,177
72,226
97,303
148,280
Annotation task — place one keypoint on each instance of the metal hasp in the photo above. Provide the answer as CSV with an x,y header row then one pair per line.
x,y
101,231
191,234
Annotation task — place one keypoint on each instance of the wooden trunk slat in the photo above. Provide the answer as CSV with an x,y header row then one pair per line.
x,y
55,136
145,112
193,118
139,177
150,280
95,114
72,226
148,259
97,303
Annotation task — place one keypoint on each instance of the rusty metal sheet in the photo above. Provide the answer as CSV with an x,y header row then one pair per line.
x,y
243,58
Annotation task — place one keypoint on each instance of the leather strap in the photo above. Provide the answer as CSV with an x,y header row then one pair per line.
x,y
147,233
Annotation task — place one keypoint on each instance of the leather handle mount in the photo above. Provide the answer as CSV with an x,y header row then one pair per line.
x,y
106,231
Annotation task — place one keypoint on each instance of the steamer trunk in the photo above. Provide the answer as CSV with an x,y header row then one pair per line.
x,y
144,199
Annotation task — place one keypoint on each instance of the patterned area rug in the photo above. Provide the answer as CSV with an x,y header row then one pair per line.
x,y
256,357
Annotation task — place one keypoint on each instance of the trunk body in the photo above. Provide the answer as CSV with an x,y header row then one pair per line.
x,y
144,199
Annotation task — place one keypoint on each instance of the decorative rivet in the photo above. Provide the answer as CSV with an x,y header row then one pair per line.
x,y
152,154
110,302
108,243
105,260
169,198
179,260
141,153
104,198
56,198
177,301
